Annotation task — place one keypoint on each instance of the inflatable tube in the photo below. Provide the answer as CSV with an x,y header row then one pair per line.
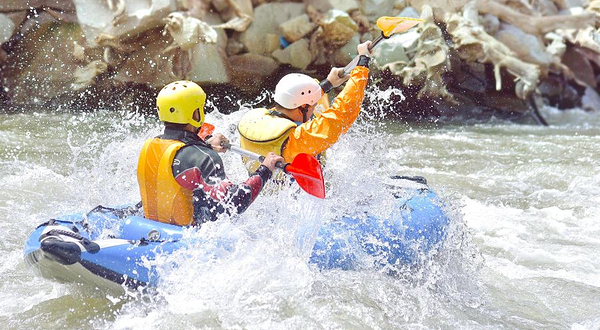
x,y
113,248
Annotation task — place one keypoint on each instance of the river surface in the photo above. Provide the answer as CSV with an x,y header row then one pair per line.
x,y
524,249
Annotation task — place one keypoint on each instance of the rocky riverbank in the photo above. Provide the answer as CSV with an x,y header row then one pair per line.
x,y
467,57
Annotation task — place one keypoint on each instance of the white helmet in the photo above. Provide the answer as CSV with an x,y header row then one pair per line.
x,y
296,89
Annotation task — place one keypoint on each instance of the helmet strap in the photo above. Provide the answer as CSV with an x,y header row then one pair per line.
x,y
304,110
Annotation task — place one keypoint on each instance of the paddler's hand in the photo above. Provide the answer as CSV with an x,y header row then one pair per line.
x,y
363,49
334,79
271,159
217,142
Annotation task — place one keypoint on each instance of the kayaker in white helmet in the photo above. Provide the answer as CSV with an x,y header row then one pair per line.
x,y
292,127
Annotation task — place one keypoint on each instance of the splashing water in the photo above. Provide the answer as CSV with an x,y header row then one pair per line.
x,y
519,198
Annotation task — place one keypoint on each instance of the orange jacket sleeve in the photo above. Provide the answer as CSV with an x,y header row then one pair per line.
x,y
321,132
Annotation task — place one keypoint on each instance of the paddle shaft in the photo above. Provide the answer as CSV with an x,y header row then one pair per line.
x,y
348,68
251,155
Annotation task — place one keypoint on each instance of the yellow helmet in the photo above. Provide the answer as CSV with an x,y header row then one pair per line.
x,y
178,101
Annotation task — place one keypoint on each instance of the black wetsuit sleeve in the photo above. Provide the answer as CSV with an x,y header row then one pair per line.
x,y
201,169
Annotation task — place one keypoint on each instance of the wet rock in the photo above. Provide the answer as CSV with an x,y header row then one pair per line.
x,y
17,5
589,38
234,47
569,98
251,71
527,47
7,28
346,53
338,28
490,23
120,18
391,50
267,18
296,28
151,65
39,71
86,75
325,5
556,45
187,31
590,100
297,54
535,25
428,63
474,44
272,43
209,63
579,67
374,9
230,10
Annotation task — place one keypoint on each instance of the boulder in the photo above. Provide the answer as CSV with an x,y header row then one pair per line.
x,y
338,28
188,31
590,100
234,47
474,44
527,47
429,62
7,28
490,23
325,5
121,18
209,64
86,75
149,64
24,5
580,68
374,9
297,54
344,55
267,18
296,28
251,70
232,9
390,50
536,25
41,67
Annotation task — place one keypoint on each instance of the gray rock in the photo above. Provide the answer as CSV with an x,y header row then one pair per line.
x,y
297,54
251,70
126,19
296,28
374,9
390,50
345,54
590,100
16,5
267,18
7,28
338,28
527,47
325,5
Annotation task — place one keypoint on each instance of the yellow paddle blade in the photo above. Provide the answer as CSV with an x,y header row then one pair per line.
x,y
390,25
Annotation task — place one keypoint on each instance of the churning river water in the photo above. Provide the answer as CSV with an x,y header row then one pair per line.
x,y
524,249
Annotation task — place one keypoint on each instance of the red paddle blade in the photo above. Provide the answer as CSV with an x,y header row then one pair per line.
x,y
307,171
205,130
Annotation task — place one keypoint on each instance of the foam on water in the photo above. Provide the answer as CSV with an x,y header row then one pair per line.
x,y
521,252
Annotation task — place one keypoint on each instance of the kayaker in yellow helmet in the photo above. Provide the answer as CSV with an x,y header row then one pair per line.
x,y
181,176
289,128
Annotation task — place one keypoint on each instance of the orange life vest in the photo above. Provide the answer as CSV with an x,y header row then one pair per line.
x,y
163,198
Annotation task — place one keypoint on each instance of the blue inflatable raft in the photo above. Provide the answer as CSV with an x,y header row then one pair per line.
x,y
115,247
